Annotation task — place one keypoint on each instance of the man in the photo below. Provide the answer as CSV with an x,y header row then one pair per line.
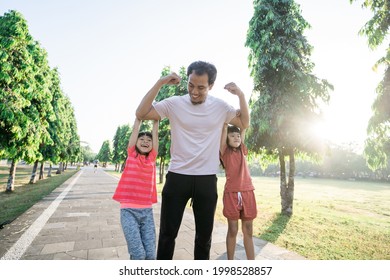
x,y
196,121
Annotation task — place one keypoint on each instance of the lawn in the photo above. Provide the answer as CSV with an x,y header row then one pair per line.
x,y
333,219
13,204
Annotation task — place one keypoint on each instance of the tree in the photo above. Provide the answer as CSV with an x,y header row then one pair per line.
x,y
105,153
23,93
284,104
73,149
70,149
58,126
87,153
41,106
377,145
120,143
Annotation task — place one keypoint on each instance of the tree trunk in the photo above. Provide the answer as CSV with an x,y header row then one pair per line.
x,y
291,183
283,183
49,172
33,178
162,173
59,170
41,169
11,177
161,170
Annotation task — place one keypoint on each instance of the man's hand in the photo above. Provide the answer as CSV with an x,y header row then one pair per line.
x,y
234,89
171,79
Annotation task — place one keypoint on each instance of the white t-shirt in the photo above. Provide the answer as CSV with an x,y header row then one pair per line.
x,y
195,132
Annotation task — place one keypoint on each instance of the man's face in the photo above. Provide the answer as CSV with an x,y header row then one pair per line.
x,y
198,87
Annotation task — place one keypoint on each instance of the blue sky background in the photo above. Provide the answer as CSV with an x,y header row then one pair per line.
x,y
109,54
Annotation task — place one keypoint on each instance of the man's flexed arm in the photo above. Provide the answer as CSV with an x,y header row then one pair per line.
x,y
145,110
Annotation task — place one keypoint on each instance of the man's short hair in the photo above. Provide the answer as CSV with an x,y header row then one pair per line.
x,y
200,68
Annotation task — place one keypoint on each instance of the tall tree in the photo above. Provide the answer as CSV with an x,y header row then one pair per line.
x,y
377,145
120,143
22,89
105,153
70,149
57,126
41,106
73,148
286,95
88,154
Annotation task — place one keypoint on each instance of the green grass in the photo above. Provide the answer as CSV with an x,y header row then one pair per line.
x,y
13,204
22,176
332,220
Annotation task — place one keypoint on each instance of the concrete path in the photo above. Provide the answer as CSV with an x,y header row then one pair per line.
x,y
79,220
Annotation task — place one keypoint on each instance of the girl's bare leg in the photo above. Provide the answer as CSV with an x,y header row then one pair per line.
x,y
231,238
247,230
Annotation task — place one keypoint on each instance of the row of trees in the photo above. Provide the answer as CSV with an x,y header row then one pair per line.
x,y
341,162
37,120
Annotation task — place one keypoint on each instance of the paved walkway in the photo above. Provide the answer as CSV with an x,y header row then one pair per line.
x,y
79,220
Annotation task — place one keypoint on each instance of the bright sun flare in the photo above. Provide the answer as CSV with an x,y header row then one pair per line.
x,y
342,128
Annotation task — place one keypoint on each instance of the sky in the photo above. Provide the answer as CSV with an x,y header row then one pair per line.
x,y
110,53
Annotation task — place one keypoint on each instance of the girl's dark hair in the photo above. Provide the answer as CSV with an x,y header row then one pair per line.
x,y
233,128
230,129
143,133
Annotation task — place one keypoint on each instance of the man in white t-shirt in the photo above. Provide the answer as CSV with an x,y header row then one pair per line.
x,y
196,121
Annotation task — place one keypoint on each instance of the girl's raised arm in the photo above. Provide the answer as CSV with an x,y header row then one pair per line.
x,y
134,133
223,144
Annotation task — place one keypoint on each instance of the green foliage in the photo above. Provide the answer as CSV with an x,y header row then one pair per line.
x,y
105,153
18,122
376,29
284,104
87,154
120,143
377,145
37,122
58,125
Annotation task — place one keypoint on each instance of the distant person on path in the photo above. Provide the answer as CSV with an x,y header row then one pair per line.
x,y
196,121
239,200
136,192
95,166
